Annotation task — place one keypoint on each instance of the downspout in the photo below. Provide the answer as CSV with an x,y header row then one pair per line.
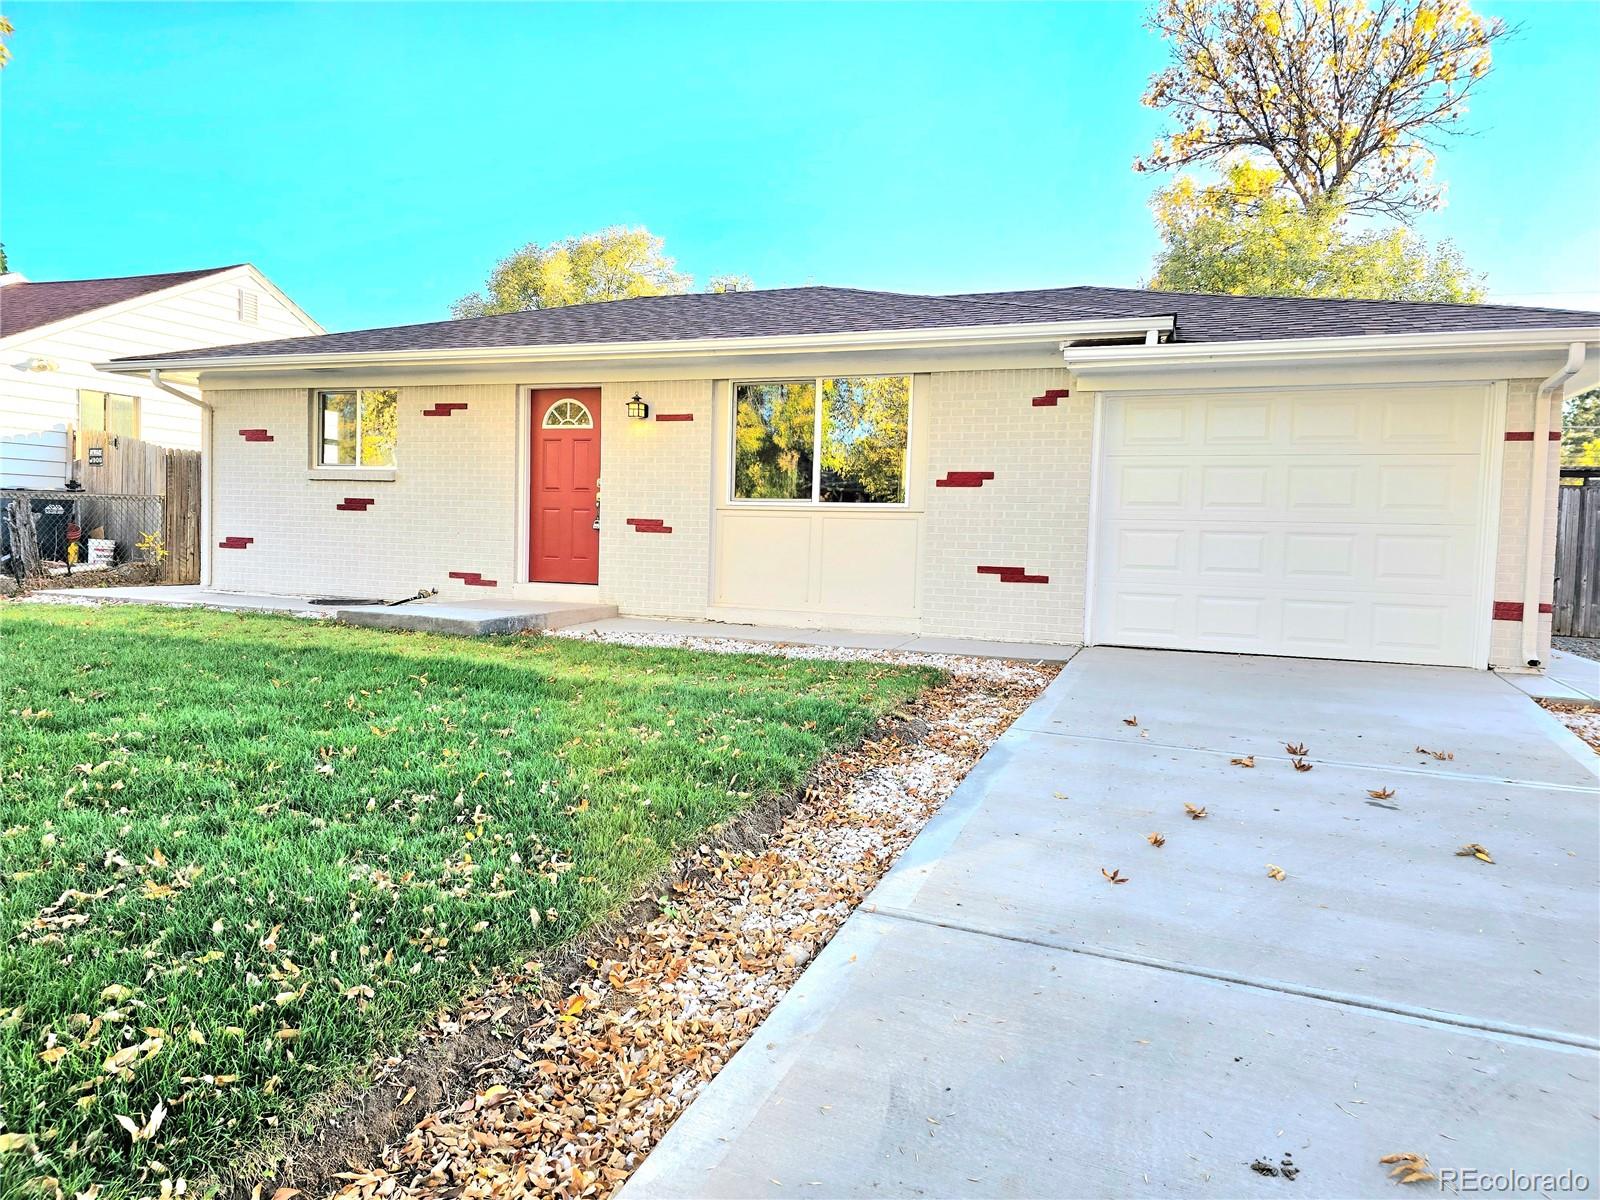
x,y
207,413
1533,580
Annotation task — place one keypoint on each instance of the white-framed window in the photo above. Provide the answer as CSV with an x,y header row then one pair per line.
x,y
568,414
831,440
107,412
356,427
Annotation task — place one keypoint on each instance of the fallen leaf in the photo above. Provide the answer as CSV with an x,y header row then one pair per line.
x,y
1130,720
1473,850
1275,872
1300,764
1114,875
1412,1168
1249,760
1441,755
1380,793
1295,749
1195,814
1155,839
285,1193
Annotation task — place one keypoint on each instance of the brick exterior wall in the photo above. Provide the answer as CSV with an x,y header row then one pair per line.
x,y
451,511
449,508
656,471
1505,637
1033,515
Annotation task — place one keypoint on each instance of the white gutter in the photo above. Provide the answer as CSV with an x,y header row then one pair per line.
x,y
207,420
903,339
157,381
1190,354
1534,580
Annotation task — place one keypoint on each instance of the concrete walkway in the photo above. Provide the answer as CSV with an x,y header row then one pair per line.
x,y
1566,677
999,1020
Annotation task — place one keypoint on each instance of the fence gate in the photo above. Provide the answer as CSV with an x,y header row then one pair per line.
x,y
110,463
1577,602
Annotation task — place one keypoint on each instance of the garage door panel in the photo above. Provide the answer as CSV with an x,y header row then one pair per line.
x,y
1155,424
1252,486
1323,423
1159,487
1239,423
1330,525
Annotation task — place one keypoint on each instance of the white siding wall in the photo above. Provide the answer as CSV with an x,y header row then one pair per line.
x,y
45,402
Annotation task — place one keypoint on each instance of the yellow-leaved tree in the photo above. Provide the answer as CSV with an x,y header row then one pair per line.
x,y
1314,112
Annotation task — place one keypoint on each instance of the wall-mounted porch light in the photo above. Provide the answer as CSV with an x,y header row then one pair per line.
x,y
637,408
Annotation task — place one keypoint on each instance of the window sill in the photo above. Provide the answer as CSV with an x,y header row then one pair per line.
x,y
371,474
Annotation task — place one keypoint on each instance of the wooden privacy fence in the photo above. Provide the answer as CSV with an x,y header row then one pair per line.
x,y
108,464
1577,599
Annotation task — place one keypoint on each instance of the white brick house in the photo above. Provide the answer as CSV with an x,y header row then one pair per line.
x,y
1337,479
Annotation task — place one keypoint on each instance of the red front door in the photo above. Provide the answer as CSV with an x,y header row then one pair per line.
x,y
564,546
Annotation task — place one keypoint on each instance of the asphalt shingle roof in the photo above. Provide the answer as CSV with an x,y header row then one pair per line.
x,y
1205,318
29,305
825,310
768,313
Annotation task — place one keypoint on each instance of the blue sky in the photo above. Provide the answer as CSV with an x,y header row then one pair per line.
x,y
375,159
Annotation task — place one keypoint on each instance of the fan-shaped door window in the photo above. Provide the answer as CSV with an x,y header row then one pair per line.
x,y
568,414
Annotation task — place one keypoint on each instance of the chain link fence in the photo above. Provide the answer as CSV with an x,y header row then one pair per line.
x,y
56,536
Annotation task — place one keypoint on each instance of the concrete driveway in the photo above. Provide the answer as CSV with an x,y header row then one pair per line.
x,y
1000,1020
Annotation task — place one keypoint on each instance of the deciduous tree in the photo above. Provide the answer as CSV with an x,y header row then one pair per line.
x,y
1347,98
1247,235
613,264
1580,430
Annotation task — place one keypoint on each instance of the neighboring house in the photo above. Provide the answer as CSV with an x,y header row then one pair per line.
x,y
1322,478
52,333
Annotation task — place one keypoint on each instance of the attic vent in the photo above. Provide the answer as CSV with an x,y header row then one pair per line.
x,y
249,306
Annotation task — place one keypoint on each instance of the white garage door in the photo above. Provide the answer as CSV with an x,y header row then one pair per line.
x,y
1325,524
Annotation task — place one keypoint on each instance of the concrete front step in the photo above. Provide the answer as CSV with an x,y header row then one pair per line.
x,y
475,618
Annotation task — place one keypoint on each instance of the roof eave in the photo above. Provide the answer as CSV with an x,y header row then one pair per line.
x,y
1177,355
1035,332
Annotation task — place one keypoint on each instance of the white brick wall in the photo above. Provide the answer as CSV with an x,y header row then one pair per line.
x,y
656,470
450,507
1033,514
1505,638
453,505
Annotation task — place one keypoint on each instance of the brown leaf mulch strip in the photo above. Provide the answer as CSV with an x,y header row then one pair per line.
x,y
1582,719
570,1106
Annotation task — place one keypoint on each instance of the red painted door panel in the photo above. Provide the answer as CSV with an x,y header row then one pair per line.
x,y
564,546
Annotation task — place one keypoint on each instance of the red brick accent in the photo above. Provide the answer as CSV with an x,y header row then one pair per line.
x,y
1051,398
444,410
963,479
256,435
674,416
1526,435
1511,610
1013,575
473,579
649,525
235,543
355,504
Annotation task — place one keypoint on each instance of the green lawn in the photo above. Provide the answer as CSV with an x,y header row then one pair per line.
x,y
242,854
